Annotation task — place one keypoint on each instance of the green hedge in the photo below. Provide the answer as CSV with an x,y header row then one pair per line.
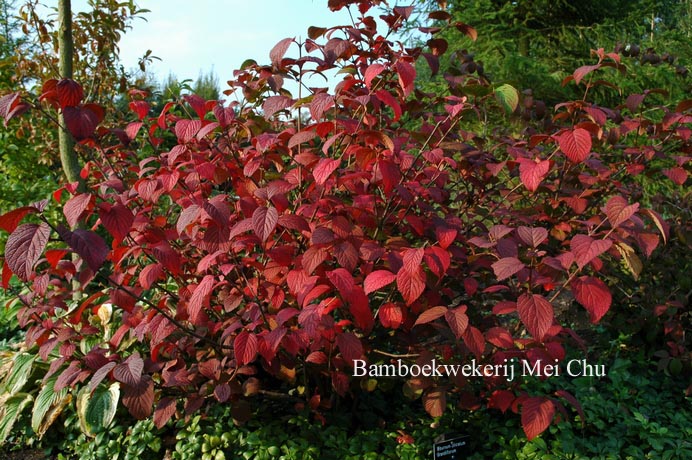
x,y
636,412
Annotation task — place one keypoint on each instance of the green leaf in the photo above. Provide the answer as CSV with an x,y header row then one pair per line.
x,y
508,97
10,411
96,410
18,376
47,406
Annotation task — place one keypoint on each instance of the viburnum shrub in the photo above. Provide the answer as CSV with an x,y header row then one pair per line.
x,y
227,250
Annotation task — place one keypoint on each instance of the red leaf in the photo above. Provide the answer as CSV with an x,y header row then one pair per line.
x,y
80,121
150,275
403,11
274,338
470,286
575,144
412,258
457,320
100,374
208,127
222,392
633,101
279,50
583,71
431,314
411,283
501,399
169,258
317,357
371,72
350,346
677,175
321,102
11,219
647,243
324,169
24,247
75,206
67,376
407,75
593,295
377,280
197,103
497,232
467,30
200,297
224,115
585,248
322,235
506,267
391,175
532,236
445,236
536,313
264,221
532,172
88,245
186,130
499,337
577,204
275,104
313,257
243,226
49,91
141,108
11,105
131,131
294,222
70,93
536,415
315,32
161,121
439,15
129,371
301,137
386,97
140,399
164,411
53,256
390,315
245,347
618,211
342,280
359,307
474,341
435,402
117,219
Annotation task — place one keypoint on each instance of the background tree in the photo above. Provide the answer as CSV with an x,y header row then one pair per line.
x,y
520,42
29,56
24,178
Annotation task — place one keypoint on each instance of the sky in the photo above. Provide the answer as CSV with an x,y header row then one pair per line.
x,y
196,36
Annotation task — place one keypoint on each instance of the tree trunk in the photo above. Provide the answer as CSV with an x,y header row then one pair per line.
x,y
68,156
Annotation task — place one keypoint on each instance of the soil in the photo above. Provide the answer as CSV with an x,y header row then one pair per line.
x,y
23,455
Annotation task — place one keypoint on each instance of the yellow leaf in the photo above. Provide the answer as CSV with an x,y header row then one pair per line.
x,y
631,259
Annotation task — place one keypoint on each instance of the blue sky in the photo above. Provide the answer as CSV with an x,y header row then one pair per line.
x,y
197,36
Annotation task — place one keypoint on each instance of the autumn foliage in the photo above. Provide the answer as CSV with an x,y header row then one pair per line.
x,y
226,252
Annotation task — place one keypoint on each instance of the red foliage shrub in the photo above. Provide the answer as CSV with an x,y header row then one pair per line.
x,y
267,244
